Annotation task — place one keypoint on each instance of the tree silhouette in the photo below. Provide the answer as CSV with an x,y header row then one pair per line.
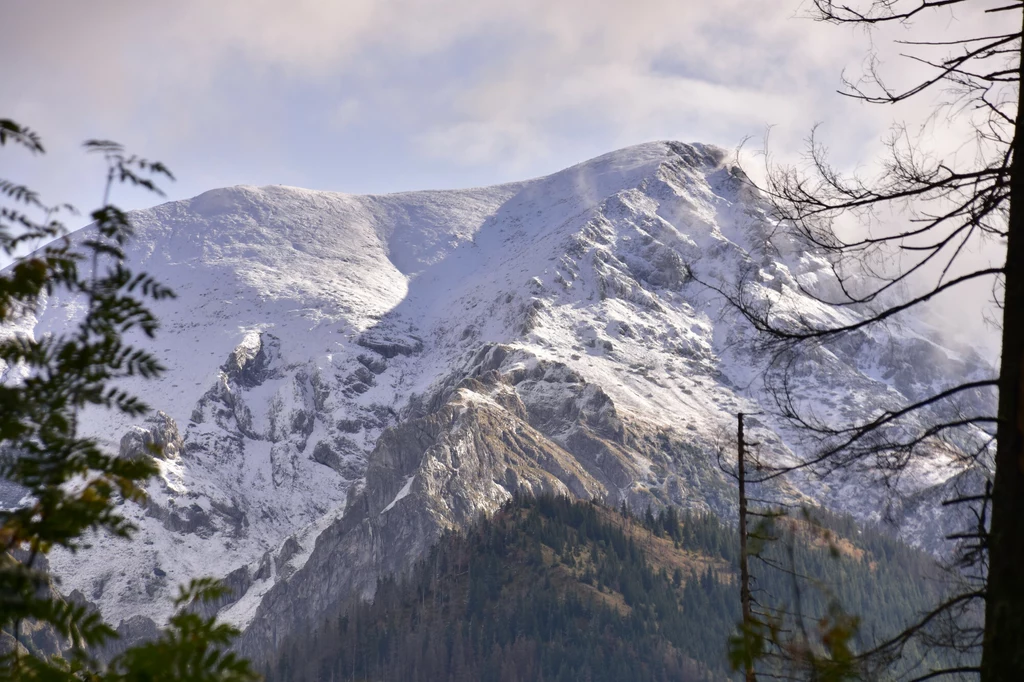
x,y
937,208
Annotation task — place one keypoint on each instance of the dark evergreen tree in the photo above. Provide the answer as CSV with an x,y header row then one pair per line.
x,y
503,599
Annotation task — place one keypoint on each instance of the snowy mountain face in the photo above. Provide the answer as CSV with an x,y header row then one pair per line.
x,y
350,375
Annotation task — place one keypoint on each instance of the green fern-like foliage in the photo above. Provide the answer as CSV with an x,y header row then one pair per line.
x,y
72,486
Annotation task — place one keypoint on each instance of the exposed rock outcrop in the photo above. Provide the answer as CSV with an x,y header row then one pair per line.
x,y
160,438
354,374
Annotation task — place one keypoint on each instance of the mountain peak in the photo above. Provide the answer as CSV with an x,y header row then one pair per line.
x,y
348,375
697,154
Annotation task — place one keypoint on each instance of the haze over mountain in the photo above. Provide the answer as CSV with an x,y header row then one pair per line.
x,y
349,375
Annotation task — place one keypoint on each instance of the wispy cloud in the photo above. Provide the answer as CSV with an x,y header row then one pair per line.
x,y
447,91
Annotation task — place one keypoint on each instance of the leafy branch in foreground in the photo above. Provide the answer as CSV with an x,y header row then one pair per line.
x,y
71,486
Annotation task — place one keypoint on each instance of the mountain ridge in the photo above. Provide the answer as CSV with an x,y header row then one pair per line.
x,y
349,376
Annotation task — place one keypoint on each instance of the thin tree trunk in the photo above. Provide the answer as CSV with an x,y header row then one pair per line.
x,y
1003,651
744,571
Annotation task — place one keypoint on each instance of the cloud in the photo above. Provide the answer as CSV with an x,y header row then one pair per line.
x,y
381,95
473,90
175,67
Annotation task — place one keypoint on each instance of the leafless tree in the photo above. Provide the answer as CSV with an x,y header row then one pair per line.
x,y
950,205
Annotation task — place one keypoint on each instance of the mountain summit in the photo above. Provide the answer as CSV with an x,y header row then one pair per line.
x,y
350,375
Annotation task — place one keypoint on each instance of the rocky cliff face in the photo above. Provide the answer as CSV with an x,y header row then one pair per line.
x,y
349,376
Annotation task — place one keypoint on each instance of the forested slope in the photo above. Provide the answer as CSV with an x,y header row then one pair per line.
x,y
553,589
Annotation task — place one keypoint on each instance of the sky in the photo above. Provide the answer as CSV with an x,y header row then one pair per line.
x,y
386,95
373,96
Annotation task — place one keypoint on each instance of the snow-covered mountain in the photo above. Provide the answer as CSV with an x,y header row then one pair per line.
x,y
349,375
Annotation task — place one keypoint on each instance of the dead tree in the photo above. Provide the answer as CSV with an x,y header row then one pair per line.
x,y
745,599
954,204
